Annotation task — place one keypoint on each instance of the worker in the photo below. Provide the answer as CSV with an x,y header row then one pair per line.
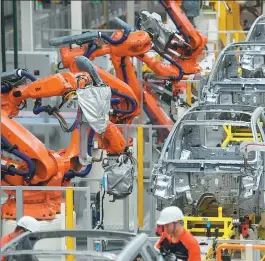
x,y
24,224
175,240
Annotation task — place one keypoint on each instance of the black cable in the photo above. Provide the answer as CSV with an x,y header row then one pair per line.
x,y
64,124
24,105
58,66
102,210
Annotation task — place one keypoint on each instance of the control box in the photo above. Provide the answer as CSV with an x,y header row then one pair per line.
x,y
39,63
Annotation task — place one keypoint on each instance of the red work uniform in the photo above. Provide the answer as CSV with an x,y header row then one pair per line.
x,y
186,248
5,239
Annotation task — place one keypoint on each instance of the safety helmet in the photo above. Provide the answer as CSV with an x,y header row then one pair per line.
x,y
169,215
29,223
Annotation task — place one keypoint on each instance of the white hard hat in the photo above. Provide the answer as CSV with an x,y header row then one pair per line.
x,y
169,215
29,223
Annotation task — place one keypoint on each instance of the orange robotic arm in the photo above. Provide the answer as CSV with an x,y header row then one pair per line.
x,y
68,55
196,39
26,161
137,43
53,85
58,85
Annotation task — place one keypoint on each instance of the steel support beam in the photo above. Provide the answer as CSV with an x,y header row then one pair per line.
x,y
15,33
130,12
26,21
76,17
3,36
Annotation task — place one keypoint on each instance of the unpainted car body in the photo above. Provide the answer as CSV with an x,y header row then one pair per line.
x,y
238,76
256,32
201,160
21,248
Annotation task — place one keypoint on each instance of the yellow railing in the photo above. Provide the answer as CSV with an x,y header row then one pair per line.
x,y
140,175
225,222
69,224
237,135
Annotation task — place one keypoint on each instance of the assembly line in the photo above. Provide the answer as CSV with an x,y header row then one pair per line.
x,y
160,158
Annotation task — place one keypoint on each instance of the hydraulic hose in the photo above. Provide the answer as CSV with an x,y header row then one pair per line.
x,y
169,12
125,77
89,51
132,101
181,72
5,88
123,68
38,108
72,173
115,42
109,40
33,79
11,169
27,75
115,101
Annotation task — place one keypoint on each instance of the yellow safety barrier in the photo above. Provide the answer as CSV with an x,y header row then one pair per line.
x,y
140,175
229,20
236,136
69,224
220,221
188,93
237,37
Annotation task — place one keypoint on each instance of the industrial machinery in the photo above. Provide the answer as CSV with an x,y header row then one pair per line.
x,y
238,76
229,19
202,167
257,31
235,18
39,63
122,45
189,55
26,246
24,158
128,94
184,46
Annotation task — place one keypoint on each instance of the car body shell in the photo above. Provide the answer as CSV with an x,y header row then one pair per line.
x,y
200,161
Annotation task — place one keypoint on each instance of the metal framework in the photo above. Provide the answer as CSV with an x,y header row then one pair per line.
x,y
198,174
238,76
22,246
257,30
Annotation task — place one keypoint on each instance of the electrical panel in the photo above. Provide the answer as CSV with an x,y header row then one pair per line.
x,y
39,63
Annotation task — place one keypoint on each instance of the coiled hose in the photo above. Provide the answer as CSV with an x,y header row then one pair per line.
x,y
11,170
181,72
72,173
115,42
131,100
5,88
125,77
89,51
114,92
